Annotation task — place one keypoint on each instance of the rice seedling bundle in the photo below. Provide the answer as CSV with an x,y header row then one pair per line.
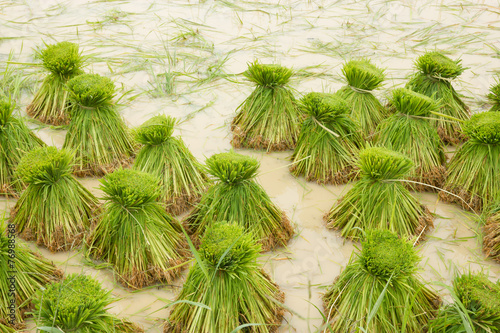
x,y
328,142
494,96
409,132
491,230
379,291
97,133
78,303
379,200
236,196
167,158
433,78
231,283
269,118
55,209
362,78
33,272
64,61
134,234
476,306
474,170
16,139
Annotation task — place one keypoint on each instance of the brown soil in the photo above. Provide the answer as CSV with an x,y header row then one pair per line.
x,y
472,203
456,139
491,239
436,177
241,140
339,178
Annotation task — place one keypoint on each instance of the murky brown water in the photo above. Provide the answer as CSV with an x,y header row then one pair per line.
x,y
134,36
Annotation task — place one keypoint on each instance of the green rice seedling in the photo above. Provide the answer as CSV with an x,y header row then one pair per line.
x,y
55,209
134,233
97,133
379,200
64,61
409,132
474,171
227,288
78,303
167,158
328,142
362,78
236,196
6,329
494,95
491,230
16,139
30,272
433,78
476,307
269,118
379,290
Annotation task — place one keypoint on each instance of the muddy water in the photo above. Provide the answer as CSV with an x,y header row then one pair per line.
x,y
129,40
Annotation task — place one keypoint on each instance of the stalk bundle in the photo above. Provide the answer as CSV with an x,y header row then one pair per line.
x,y
328,141
494,95
236,196
435,72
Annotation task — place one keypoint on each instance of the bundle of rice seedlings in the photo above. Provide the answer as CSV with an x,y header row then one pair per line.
x,y
236,196
435,74
16,139
96,133
474,170
328,141
491,230
378,200
167,158
494,95
64,61
476,307
227,288
30,271
409,132
6,329
362,78
379,290
134,233
78,303
55,209
269,118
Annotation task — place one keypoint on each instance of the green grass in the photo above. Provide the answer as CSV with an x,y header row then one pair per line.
x,y
97,133
328,141
233,292
55,209
16,140
409,132
379,290
134,233
167,158
236,196
379,200
269,118
494,95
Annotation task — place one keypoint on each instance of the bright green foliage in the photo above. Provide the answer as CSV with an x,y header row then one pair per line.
x,y
269,118
378,200
16,139
55,209
6,329
97,133
477,305
491,231
167,158
235,289
409,132
50,103
328,141
36,273
78,304
494,95
134,233
474,170
381,278
362,77
433,78
236,196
